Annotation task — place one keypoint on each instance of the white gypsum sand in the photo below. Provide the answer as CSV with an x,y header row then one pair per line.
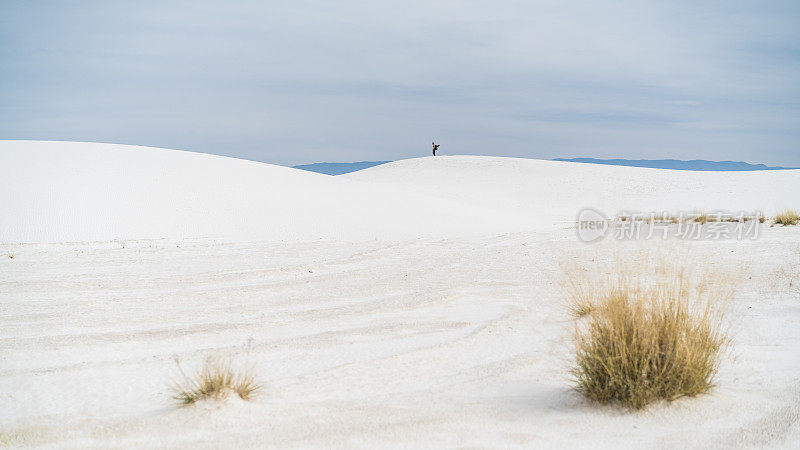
x,y
413,304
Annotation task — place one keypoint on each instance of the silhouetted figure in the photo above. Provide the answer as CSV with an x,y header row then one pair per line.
x,y
435,147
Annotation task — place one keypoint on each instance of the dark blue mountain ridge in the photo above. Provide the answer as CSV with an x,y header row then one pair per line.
x,y
675,164
339,168
330,168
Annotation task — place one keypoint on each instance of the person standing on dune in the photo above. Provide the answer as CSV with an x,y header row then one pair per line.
x,y
435,147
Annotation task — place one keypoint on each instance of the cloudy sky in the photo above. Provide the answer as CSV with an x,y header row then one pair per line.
x,y
295,81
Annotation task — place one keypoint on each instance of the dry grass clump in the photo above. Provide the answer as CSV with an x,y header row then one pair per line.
x,y
579,308
788,217
657,336
704,218
216,380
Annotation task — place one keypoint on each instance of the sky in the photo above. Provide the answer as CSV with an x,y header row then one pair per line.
x,y
293,82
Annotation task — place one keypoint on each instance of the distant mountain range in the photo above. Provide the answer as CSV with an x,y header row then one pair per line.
x,y
695,164
339,168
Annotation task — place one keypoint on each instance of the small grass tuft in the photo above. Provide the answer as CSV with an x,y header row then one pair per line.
x,y
704,218
216,380
788,217
650,338
581,309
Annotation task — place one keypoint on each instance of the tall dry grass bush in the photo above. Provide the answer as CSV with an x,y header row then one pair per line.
x,y
648,330
786,218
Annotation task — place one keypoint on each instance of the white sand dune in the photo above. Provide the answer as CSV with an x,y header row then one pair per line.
x,y
417,304
78,192
553,191
75,192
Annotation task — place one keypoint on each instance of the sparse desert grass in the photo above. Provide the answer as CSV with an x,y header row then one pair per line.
x,y
788,217
651,337
580,300
704,218
661,218
741,218
216,380
698,217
